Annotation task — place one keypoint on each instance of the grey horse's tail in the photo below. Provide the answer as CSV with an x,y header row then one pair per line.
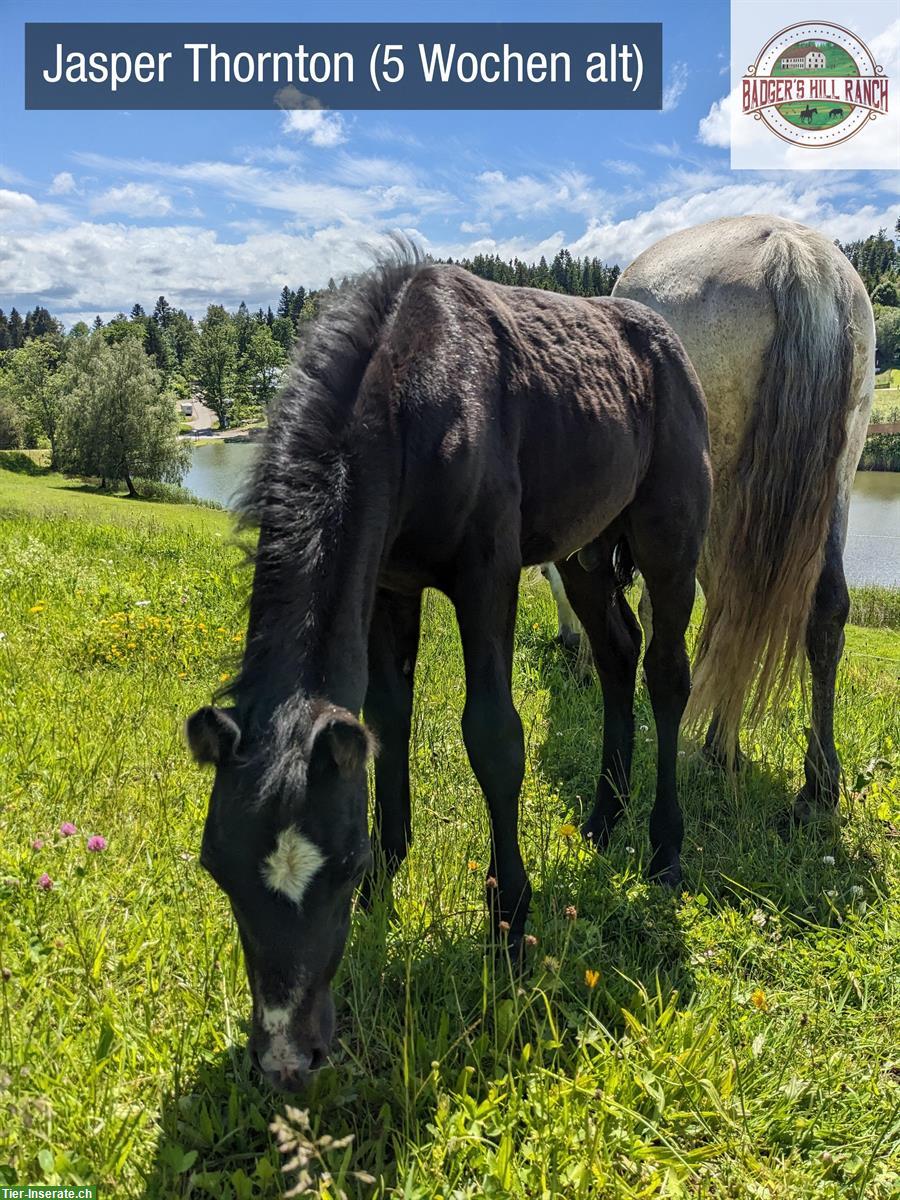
x,y
765,558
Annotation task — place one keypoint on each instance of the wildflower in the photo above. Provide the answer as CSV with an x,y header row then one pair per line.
x,y
629,850
758,1000
67,829
591,978
2,636
551,963
831,893
490,882
45,882
759,918
856,891
828,860
472,864
141,603
530,939
36,608
224,677
37,844
504,926
571,912
96,843
567,831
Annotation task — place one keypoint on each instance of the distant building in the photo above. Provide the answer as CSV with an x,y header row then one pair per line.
x,y
807,58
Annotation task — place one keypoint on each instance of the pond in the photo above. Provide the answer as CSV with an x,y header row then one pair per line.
x,y
873,540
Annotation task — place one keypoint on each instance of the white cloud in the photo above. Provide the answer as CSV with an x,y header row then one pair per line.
x,y
310,201
675,85
474,227
320,128
133,200
715,127
622,166
62,184
10,175
525,195
19,210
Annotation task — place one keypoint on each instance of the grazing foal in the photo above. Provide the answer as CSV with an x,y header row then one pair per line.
x,y
439,431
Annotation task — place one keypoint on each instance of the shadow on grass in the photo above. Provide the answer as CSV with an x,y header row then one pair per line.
x,y
418,1018
24,462
740,840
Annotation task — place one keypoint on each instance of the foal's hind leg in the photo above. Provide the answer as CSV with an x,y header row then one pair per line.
x,y
615,639
667,561
824,646
393,645
485,601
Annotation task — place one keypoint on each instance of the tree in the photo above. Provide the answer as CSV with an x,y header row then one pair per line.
x,y
285,302
283,333
119,424
214,362
885,293
16,329
98,322
79,330
34,383
262,365
887,335
159,348
161,312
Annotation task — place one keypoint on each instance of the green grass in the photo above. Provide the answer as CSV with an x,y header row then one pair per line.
x,y
741,1039
887,405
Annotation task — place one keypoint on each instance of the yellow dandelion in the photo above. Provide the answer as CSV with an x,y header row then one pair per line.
x,y
591,978
758,1000
224,677
472,864
567,831
36,608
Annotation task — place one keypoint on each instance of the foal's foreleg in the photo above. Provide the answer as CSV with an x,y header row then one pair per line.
x,y
393,645
486,611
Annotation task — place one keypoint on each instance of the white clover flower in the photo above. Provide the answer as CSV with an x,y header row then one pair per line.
x,y
856,891
759,918
828,860
831,892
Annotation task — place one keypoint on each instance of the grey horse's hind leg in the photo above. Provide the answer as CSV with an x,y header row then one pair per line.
x,y
824,646
569,627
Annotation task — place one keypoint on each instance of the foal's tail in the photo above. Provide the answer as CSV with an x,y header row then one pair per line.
x,y
765,556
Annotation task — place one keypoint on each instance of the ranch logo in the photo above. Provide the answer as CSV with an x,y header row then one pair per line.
x,y
815,85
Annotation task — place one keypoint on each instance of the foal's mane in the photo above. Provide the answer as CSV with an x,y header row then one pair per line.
x,y
297,494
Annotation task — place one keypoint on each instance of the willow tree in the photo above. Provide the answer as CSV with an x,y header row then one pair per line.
x,y
118,423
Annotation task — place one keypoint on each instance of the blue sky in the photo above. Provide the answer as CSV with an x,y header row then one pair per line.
x,y
99,210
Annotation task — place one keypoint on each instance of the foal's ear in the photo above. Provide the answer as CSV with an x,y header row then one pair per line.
x,y
338,739
212,734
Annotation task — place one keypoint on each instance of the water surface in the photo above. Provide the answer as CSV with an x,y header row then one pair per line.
x,y
873,539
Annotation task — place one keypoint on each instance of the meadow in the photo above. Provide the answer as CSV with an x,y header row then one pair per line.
x,y
739,1039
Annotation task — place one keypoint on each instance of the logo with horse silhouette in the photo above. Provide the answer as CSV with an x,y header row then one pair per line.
x,y
815,85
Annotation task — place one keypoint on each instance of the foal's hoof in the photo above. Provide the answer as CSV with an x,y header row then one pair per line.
x,y
665,869
596,831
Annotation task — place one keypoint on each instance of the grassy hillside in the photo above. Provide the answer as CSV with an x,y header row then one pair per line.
x,y
737,1040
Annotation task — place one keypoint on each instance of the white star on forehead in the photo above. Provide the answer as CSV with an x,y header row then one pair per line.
x,y
290,868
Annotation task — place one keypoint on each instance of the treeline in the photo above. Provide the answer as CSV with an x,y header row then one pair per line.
x,y
565,273
877,259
